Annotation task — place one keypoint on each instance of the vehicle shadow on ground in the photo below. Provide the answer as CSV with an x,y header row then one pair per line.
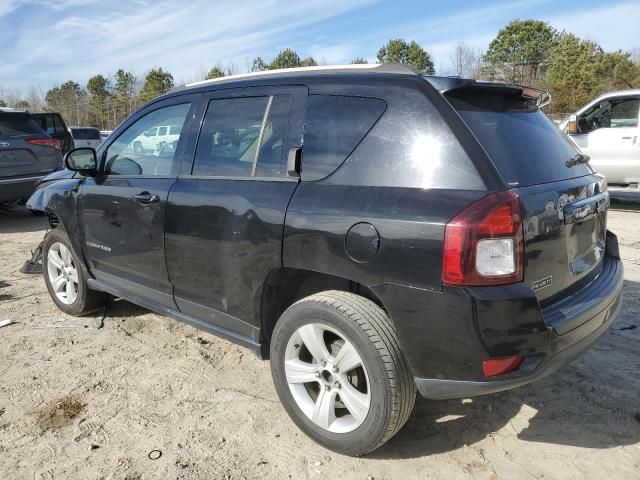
x,y
580,405
21,220
443,426
4,296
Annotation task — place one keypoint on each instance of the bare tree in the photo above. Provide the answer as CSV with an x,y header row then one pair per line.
x,y
465,60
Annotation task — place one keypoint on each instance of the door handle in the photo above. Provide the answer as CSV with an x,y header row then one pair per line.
x,y
146,197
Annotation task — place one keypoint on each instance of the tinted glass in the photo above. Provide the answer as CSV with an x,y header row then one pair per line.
x,y
18,124
136,153
334,127
272,159
175,130
85,133
624,113
229,137
526,147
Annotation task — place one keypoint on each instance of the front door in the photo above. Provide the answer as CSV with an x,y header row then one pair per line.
x,y
121,211
611,137
225,215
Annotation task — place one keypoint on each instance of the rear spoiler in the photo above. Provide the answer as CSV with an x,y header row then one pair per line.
x,y
448,84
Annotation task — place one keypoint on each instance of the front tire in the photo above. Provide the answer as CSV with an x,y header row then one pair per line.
x,y
339,372
65,278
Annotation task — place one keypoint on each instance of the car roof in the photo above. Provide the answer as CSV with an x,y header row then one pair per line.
x,y
371,68
11,110
620,93
605,96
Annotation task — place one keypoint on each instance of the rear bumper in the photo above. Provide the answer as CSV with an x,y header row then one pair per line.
x,y
17,188
575,323
447,335
563,349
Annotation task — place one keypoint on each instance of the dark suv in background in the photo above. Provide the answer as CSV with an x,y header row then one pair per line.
x,y
27,154
369,230
53,124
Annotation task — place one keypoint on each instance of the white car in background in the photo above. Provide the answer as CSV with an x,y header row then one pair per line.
x,y
85,137
156,138
607,130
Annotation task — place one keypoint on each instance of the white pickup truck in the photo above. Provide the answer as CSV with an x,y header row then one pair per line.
x,y
154,139
607,129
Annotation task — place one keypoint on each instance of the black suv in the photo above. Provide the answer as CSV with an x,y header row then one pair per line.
x,y
369,230
27,154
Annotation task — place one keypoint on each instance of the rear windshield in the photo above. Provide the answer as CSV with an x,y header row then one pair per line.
x,y
85,133
526,147
18,124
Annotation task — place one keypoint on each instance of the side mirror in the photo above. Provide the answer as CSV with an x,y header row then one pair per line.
x,y
81,160
572,126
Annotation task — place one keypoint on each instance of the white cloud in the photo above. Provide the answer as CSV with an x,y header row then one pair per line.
x,y
334,54
137,37
613,27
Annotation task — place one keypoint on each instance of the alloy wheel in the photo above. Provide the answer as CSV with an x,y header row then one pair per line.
x,y
327,378
63,274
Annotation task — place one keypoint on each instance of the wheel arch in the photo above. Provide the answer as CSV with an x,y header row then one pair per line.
x,y
285,286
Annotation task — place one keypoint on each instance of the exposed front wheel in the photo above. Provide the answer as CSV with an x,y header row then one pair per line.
x,y
339,372
64,277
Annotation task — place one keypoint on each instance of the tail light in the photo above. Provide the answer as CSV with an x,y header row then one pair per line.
x,y
51,142
501,366
484,244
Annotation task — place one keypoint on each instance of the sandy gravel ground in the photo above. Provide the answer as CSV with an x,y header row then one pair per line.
x,y
77,402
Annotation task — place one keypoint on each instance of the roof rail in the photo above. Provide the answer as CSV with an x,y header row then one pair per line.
x,y
369,67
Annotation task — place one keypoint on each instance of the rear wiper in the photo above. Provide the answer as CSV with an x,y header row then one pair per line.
x,y
579,158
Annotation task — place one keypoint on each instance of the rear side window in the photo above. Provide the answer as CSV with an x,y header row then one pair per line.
x,y
244,137
526,147
85,134
18,124
335,126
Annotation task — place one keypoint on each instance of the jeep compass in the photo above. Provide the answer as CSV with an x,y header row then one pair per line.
x,y
371,231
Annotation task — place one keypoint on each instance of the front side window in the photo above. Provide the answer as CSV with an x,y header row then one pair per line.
x,y
243,137
139,152
614,113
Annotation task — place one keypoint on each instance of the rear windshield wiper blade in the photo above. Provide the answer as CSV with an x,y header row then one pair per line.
x,y
579,158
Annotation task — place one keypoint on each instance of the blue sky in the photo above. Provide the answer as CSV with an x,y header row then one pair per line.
x,y
43,43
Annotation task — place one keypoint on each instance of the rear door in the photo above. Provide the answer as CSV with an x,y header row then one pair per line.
x,y
610,135
563,201
25,149
225,215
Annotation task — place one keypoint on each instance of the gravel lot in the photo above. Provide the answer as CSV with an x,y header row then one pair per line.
x,y
87,403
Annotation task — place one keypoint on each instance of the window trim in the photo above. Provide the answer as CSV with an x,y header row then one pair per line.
x,y
297,114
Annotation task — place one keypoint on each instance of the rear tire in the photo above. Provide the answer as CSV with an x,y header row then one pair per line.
x,y
351,410
65,278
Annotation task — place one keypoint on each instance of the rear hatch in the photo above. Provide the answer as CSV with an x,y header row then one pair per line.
x,y
25,149
564,203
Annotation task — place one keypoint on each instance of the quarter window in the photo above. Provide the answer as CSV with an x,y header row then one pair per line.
x,y
138,151
335,126
244,137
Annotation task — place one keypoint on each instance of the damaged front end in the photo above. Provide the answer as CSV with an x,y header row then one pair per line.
x,y
53,194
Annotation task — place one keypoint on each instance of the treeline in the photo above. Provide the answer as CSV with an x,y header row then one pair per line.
x,y
526,52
